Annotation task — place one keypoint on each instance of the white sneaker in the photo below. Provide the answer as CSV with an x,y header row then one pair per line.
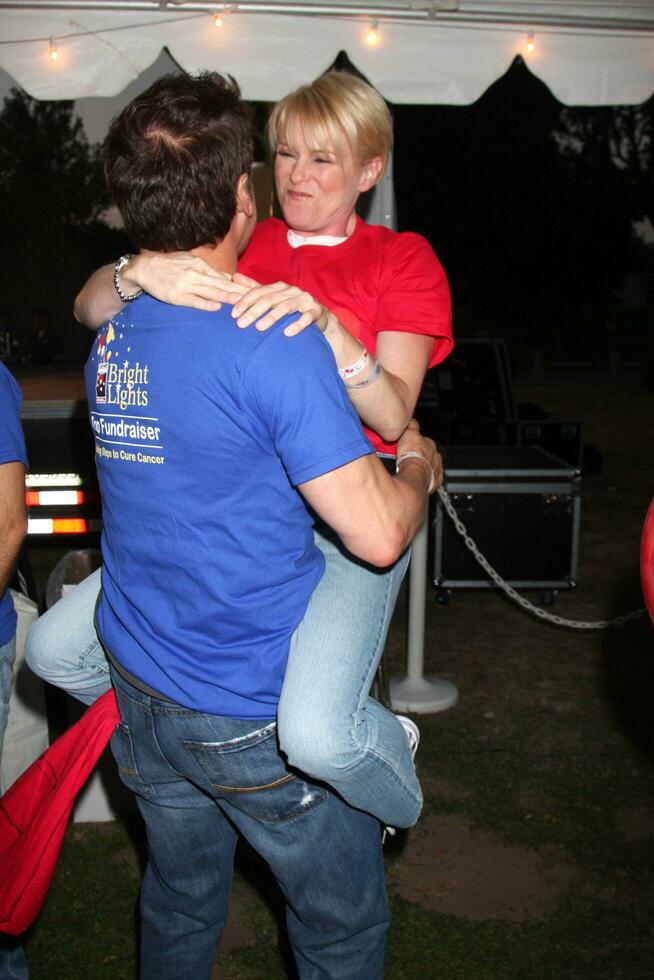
x,y
412,733
413,737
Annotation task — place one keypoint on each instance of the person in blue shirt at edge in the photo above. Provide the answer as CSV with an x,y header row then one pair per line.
x,y
13,527
331,139
210,442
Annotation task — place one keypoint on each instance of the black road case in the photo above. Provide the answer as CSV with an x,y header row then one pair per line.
x,y
521,505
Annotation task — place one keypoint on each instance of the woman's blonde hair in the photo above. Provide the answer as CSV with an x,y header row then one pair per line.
x,y
334,105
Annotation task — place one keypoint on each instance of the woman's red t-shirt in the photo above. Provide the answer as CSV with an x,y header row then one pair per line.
x,y
374,281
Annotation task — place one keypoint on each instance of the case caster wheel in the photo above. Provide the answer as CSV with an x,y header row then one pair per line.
x,y
548,597
443,596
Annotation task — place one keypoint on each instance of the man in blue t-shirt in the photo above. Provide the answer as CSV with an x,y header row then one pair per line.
x,y
204,436
13,525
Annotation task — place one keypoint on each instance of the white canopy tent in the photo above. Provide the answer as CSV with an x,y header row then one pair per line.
x,y
589,52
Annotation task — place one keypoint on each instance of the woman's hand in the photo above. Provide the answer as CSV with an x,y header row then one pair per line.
x,y
173,277
183,279
265,305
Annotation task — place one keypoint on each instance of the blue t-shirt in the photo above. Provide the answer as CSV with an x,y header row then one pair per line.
x,y
202,431
12,450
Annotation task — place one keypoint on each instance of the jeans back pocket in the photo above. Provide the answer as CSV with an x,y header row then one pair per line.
x,y
250,772
123,752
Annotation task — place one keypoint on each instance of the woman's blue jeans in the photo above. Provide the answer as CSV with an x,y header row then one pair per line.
x,y
329,727
199,779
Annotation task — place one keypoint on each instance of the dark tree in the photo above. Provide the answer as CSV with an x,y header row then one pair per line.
x,y
52,196
529,205
617,140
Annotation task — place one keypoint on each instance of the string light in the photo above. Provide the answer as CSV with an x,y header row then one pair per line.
x,y
372,37
217,20
54,53
531,44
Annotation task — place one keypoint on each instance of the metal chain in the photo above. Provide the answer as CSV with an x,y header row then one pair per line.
x,y
528,606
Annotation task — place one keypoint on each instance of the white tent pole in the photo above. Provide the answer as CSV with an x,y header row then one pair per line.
x,y
315,8
415,692
632,18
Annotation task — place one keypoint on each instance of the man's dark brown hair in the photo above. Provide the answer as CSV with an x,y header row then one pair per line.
x,y
172,160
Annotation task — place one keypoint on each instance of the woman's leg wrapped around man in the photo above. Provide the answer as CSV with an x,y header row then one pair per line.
x,y
329,727
62,646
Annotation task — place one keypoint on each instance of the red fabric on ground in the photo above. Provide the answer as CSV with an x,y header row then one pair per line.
x,y
647,560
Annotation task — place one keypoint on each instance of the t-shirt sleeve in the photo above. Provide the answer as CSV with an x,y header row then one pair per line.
x,y
414,294
12,443
294,387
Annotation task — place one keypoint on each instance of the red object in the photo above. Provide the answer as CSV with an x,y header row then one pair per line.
x,y
34,813
647,560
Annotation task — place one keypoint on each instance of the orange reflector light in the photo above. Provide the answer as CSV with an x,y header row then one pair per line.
x,y
63,525
69,525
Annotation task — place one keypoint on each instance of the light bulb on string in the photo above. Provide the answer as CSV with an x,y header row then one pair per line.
x,y
217,21
531,44
372,37
54,52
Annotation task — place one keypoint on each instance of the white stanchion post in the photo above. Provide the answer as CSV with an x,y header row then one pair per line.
x,y
26,736
415,692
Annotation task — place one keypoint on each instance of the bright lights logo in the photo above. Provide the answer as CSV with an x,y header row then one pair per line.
x,y
122,386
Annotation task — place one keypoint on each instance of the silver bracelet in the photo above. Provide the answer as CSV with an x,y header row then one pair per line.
x,y
372,377
118,268
412,454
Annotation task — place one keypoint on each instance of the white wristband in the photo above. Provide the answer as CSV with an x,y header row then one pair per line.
x,y
412,454
347,373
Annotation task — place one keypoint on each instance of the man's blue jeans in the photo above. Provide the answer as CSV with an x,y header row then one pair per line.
x,y
200,779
